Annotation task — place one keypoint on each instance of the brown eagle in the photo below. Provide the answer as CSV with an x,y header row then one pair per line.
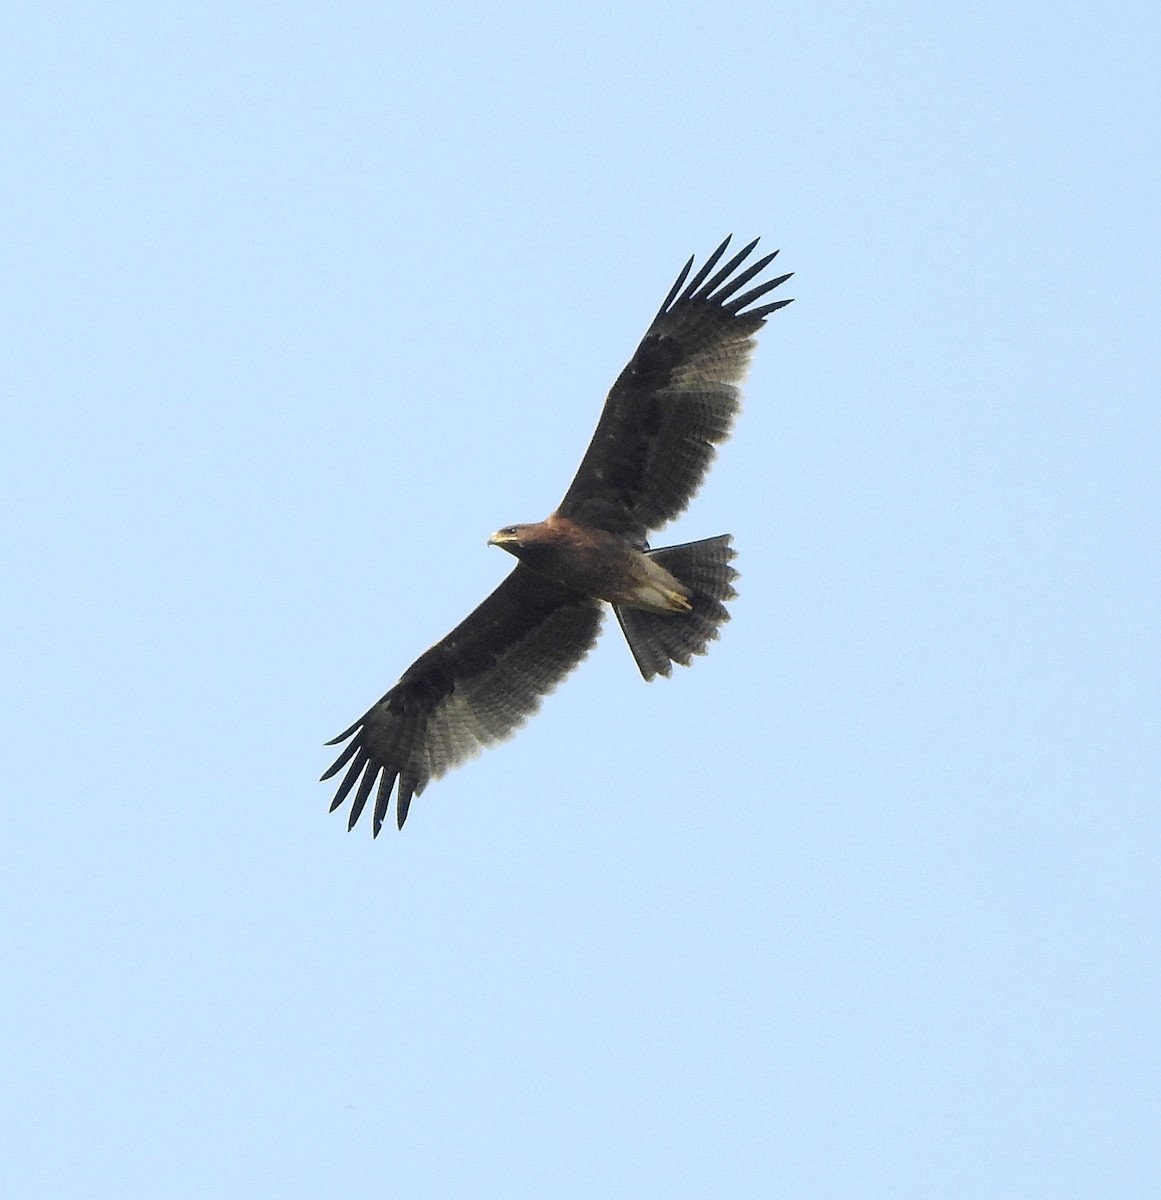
x,y
670,407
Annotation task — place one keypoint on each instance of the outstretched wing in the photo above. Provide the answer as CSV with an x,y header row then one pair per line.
x,y
675,400
475,687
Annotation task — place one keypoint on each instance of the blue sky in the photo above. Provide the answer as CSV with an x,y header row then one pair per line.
x,y
302,301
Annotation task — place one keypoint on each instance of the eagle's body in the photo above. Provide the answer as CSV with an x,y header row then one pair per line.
x,y
594,562
670,407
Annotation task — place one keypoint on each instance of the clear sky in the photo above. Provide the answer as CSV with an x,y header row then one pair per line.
x,y
303,300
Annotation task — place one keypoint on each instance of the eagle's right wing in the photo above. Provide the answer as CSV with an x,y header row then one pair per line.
x,y
474,688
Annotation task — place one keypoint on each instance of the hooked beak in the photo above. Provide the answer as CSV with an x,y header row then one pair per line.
x,y
502,538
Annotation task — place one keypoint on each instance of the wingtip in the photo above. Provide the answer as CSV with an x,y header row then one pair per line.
x,y
345,734
767,309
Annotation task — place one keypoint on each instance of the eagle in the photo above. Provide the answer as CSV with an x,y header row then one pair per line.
x,y
657,435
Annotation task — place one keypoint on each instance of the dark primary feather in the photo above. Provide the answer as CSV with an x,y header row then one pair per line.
x,y
475,687
675,400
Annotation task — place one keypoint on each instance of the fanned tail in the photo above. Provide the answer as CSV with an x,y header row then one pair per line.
x,y
658,640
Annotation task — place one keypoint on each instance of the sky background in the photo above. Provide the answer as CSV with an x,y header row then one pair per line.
x,y
303,300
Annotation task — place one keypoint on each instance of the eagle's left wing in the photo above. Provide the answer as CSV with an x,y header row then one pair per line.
x,y
675,400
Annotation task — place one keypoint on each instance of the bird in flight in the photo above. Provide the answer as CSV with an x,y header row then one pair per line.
x,y
669,409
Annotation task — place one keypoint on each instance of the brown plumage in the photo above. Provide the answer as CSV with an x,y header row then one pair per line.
x,y
669,409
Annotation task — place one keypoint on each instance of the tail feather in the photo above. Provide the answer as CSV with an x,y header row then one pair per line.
x,y
658,640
